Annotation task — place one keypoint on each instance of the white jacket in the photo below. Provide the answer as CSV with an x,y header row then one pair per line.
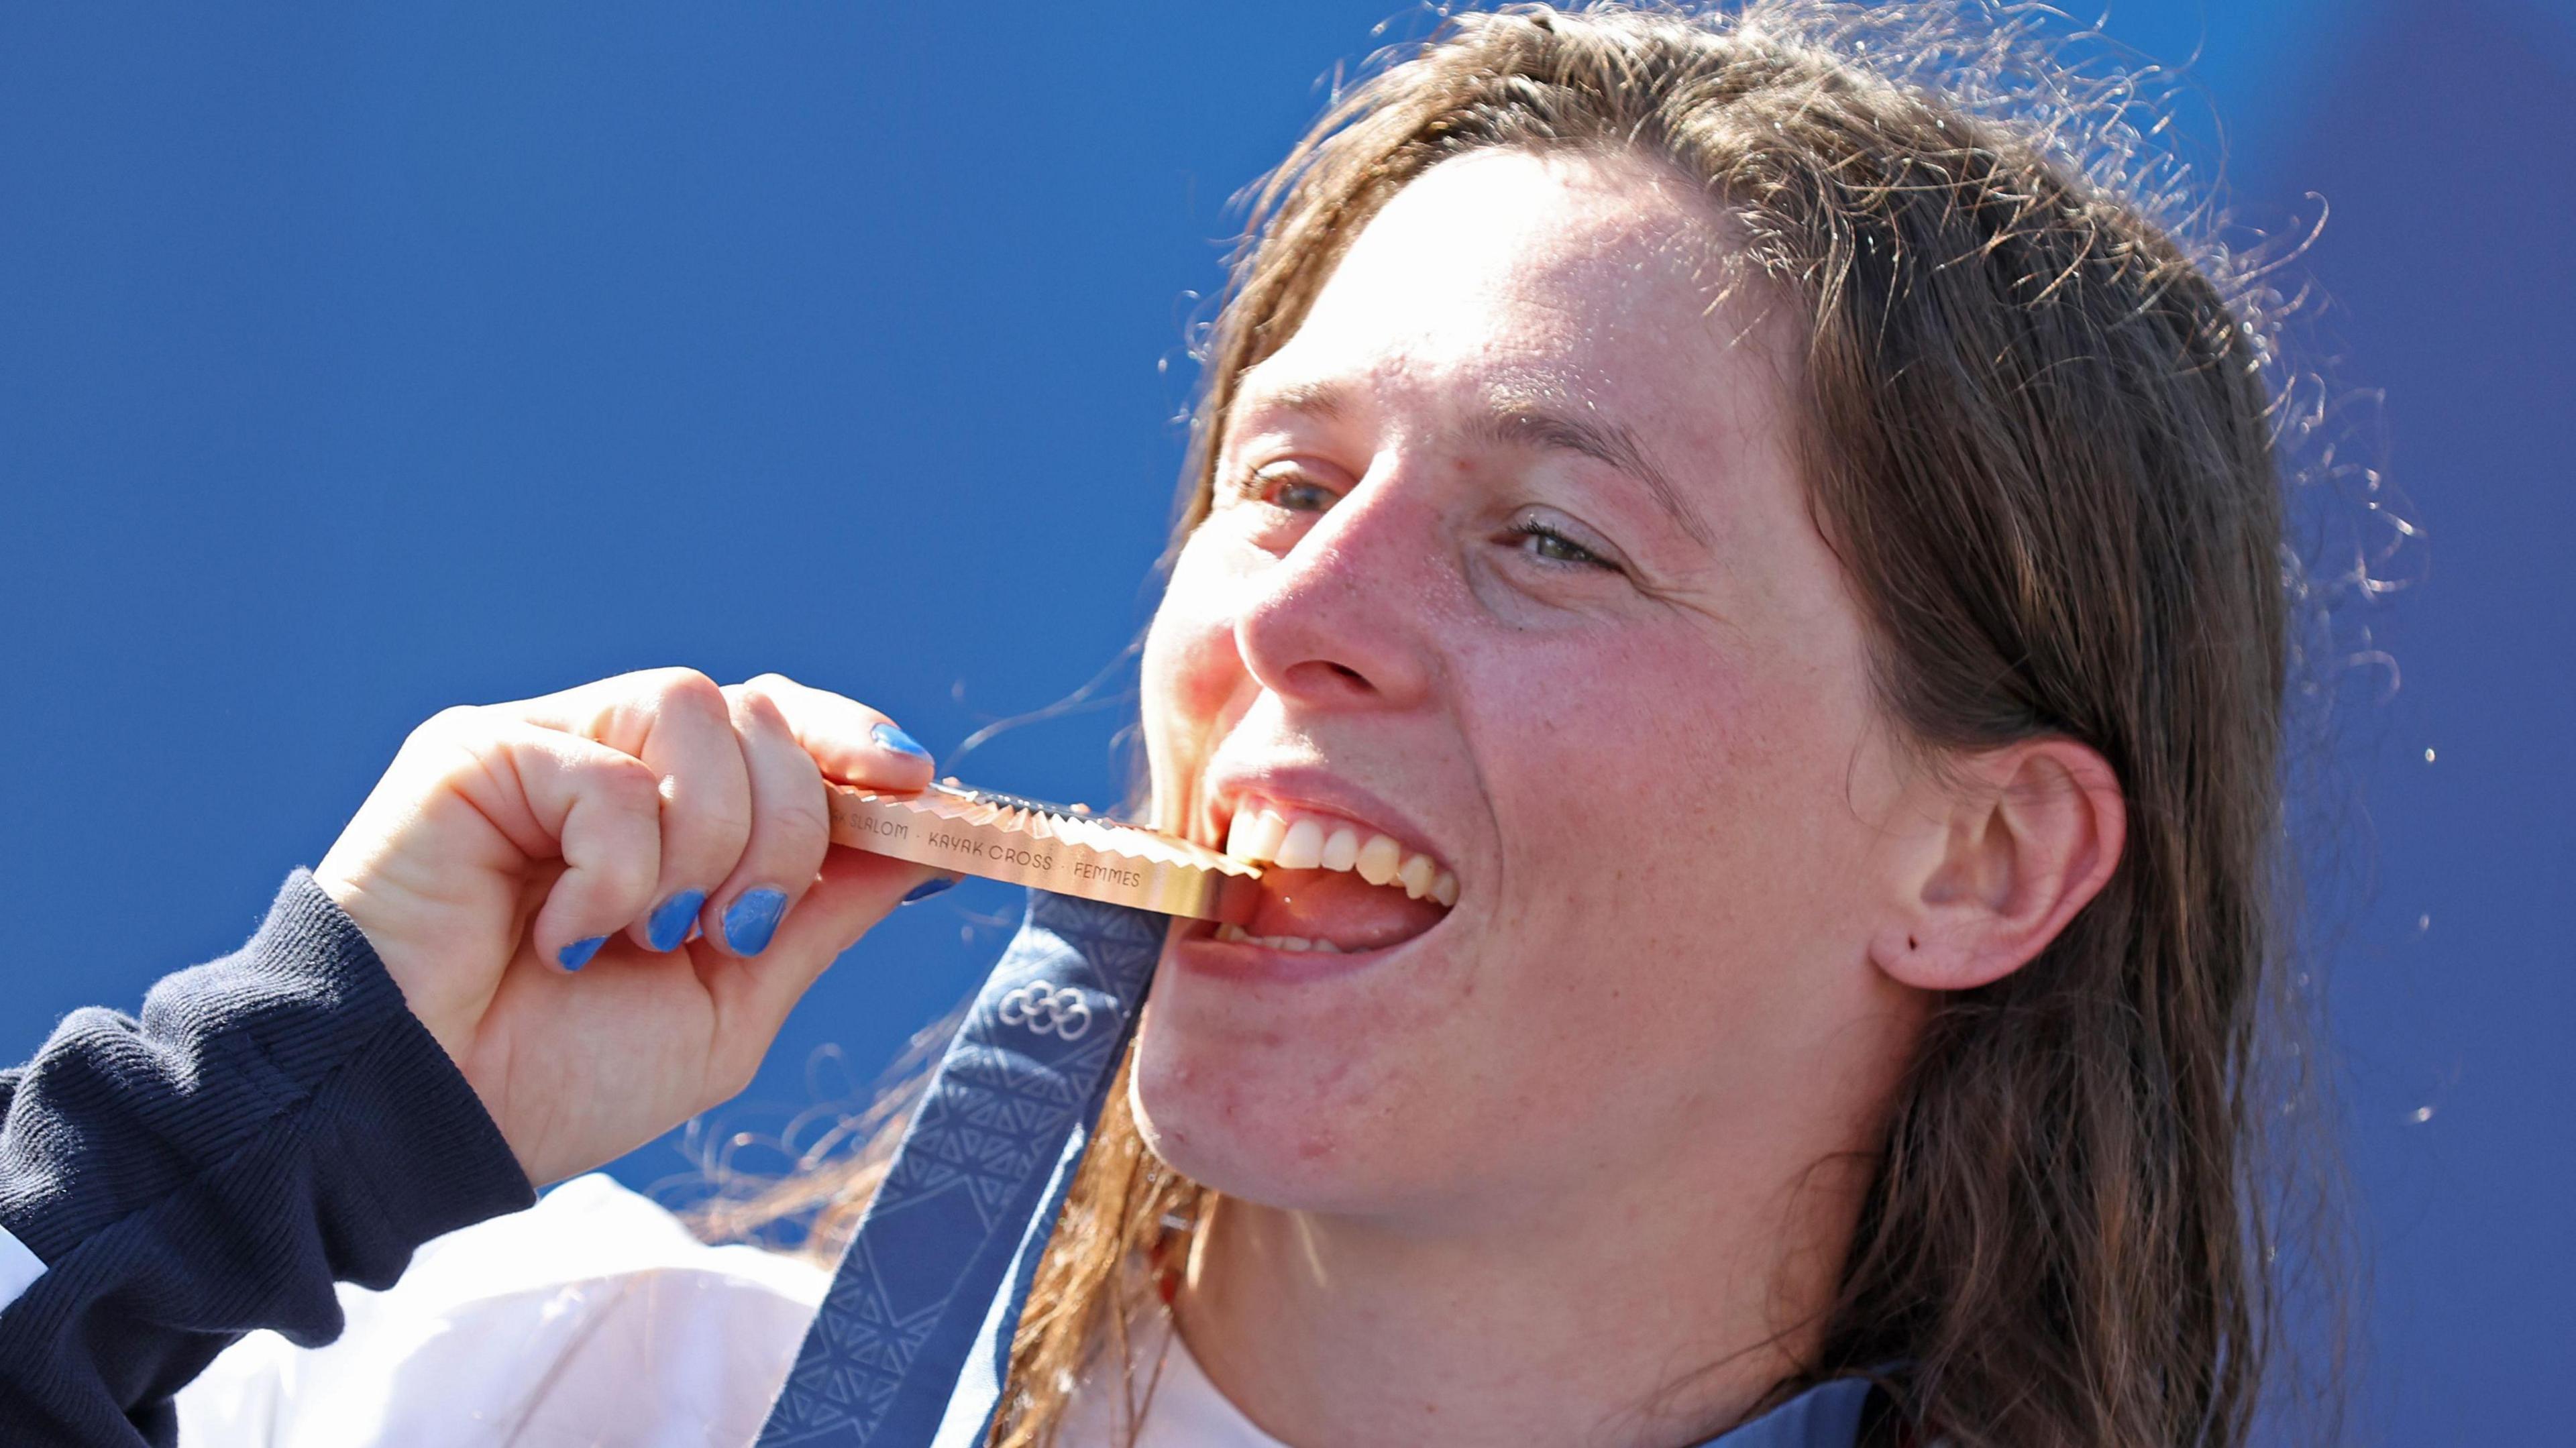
x,y
594,1320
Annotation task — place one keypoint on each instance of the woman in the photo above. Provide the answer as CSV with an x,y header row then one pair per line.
x,y
1800,549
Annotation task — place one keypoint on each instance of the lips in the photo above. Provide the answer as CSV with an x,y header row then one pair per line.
x,y
1333,884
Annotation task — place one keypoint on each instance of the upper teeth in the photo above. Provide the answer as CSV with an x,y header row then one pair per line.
x,y
1306,843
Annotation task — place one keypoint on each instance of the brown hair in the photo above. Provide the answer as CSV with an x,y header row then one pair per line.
x,y
2038,438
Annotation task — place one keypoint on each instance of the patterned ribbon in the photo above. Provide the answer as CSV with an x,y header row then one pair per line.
x,y
914,1336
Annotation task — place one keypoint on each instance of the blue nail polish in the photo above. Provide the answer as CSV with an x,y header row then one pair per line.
x,y
578,954
753,919
671,919
898,741
928,888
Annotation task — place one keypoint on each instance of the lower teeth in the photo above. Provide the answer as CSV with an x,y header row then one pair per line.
x,y
1239,935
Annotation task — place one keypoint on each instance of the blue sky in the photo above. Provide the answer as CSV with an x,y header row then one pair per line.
x,y
357,363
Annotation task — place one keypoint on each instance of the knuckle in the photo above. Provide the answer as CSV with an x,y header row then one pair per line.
x,y
629,785
453,722
757,708
685,689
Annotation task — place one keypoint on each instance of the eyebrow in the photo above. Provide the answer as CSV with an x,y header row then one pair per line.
x,y
1607,442
1517,421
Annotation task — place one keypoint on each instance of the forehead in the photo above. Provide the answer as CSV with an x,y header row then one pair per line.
x,y
1561,277
1605,287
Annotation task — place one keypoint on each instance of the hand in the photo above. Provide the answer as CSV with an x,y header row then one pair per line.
x,y
506,841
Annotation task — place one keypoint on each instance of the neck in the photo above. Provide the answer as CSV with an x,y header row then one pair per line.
x,y
1643,1317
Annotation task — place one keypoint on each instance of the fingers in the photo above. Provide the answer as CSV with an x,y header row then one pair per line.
x,y
853,891
744,824
850,742
680,725
603,809
790,828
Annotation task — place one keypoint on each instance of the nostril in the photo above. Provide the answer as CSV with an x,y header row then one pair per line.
x,y
1317,680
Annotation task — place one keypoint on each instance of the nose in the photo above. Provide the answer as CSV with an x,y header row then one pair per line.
x,y
1344,619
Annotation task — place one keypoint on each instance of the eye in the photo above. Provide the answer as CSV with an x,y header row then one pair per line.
x,y
1288,486
1556,547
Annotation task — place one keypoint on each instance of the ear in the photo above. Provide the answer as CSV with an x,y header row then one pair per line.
x,y
2032,831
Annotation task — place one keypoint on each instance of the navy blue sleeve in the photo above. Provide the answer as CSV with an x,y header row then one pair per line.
x,y
276,1122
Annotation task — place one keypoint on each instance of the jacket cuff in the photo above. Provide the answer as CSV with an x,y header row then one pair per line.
x,y
301,1032
402,1142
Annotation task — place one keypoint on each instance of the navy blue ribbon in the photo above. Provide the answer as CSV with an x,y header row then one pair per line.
x,y
915,1331
913,1340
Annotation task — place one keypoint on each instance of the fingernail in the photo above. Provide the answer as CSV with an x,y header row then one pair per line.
x,y
753,919
898,741
671,919
929,887
578,954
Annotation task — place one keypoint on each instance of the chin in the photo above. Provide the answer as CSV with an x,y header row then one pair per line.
x,y
1273,1052
1277,1117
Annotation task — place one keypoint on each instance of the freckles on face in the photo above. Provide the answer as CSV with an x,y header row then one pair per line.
x,y
1509,554
1677,860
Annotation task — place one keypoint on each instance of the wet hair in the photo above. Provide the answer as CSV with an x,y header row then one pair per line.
x,y
2037,433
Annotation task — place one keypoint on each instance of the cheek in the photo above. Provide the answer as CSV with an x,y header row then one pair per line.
x,y
1675,747
1684,836
1192,673
1646,734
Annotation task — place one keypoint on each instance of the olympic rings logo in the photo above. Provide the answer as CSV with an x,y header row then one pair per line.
x,y
1047,1010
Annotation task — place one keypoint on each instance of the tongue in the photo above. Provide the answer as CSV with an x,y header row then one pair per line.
x,y
1339,906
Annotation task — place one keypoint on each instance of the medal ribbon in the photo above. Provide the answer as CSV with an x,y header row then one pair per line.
x,y
914,1335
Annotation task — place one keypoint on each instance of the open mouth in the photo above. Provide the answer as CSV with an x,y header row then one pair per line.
x,y
1333,884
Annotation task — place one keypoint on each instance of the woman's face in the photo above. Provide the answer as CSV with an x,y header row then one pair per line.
x,y
1509,563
